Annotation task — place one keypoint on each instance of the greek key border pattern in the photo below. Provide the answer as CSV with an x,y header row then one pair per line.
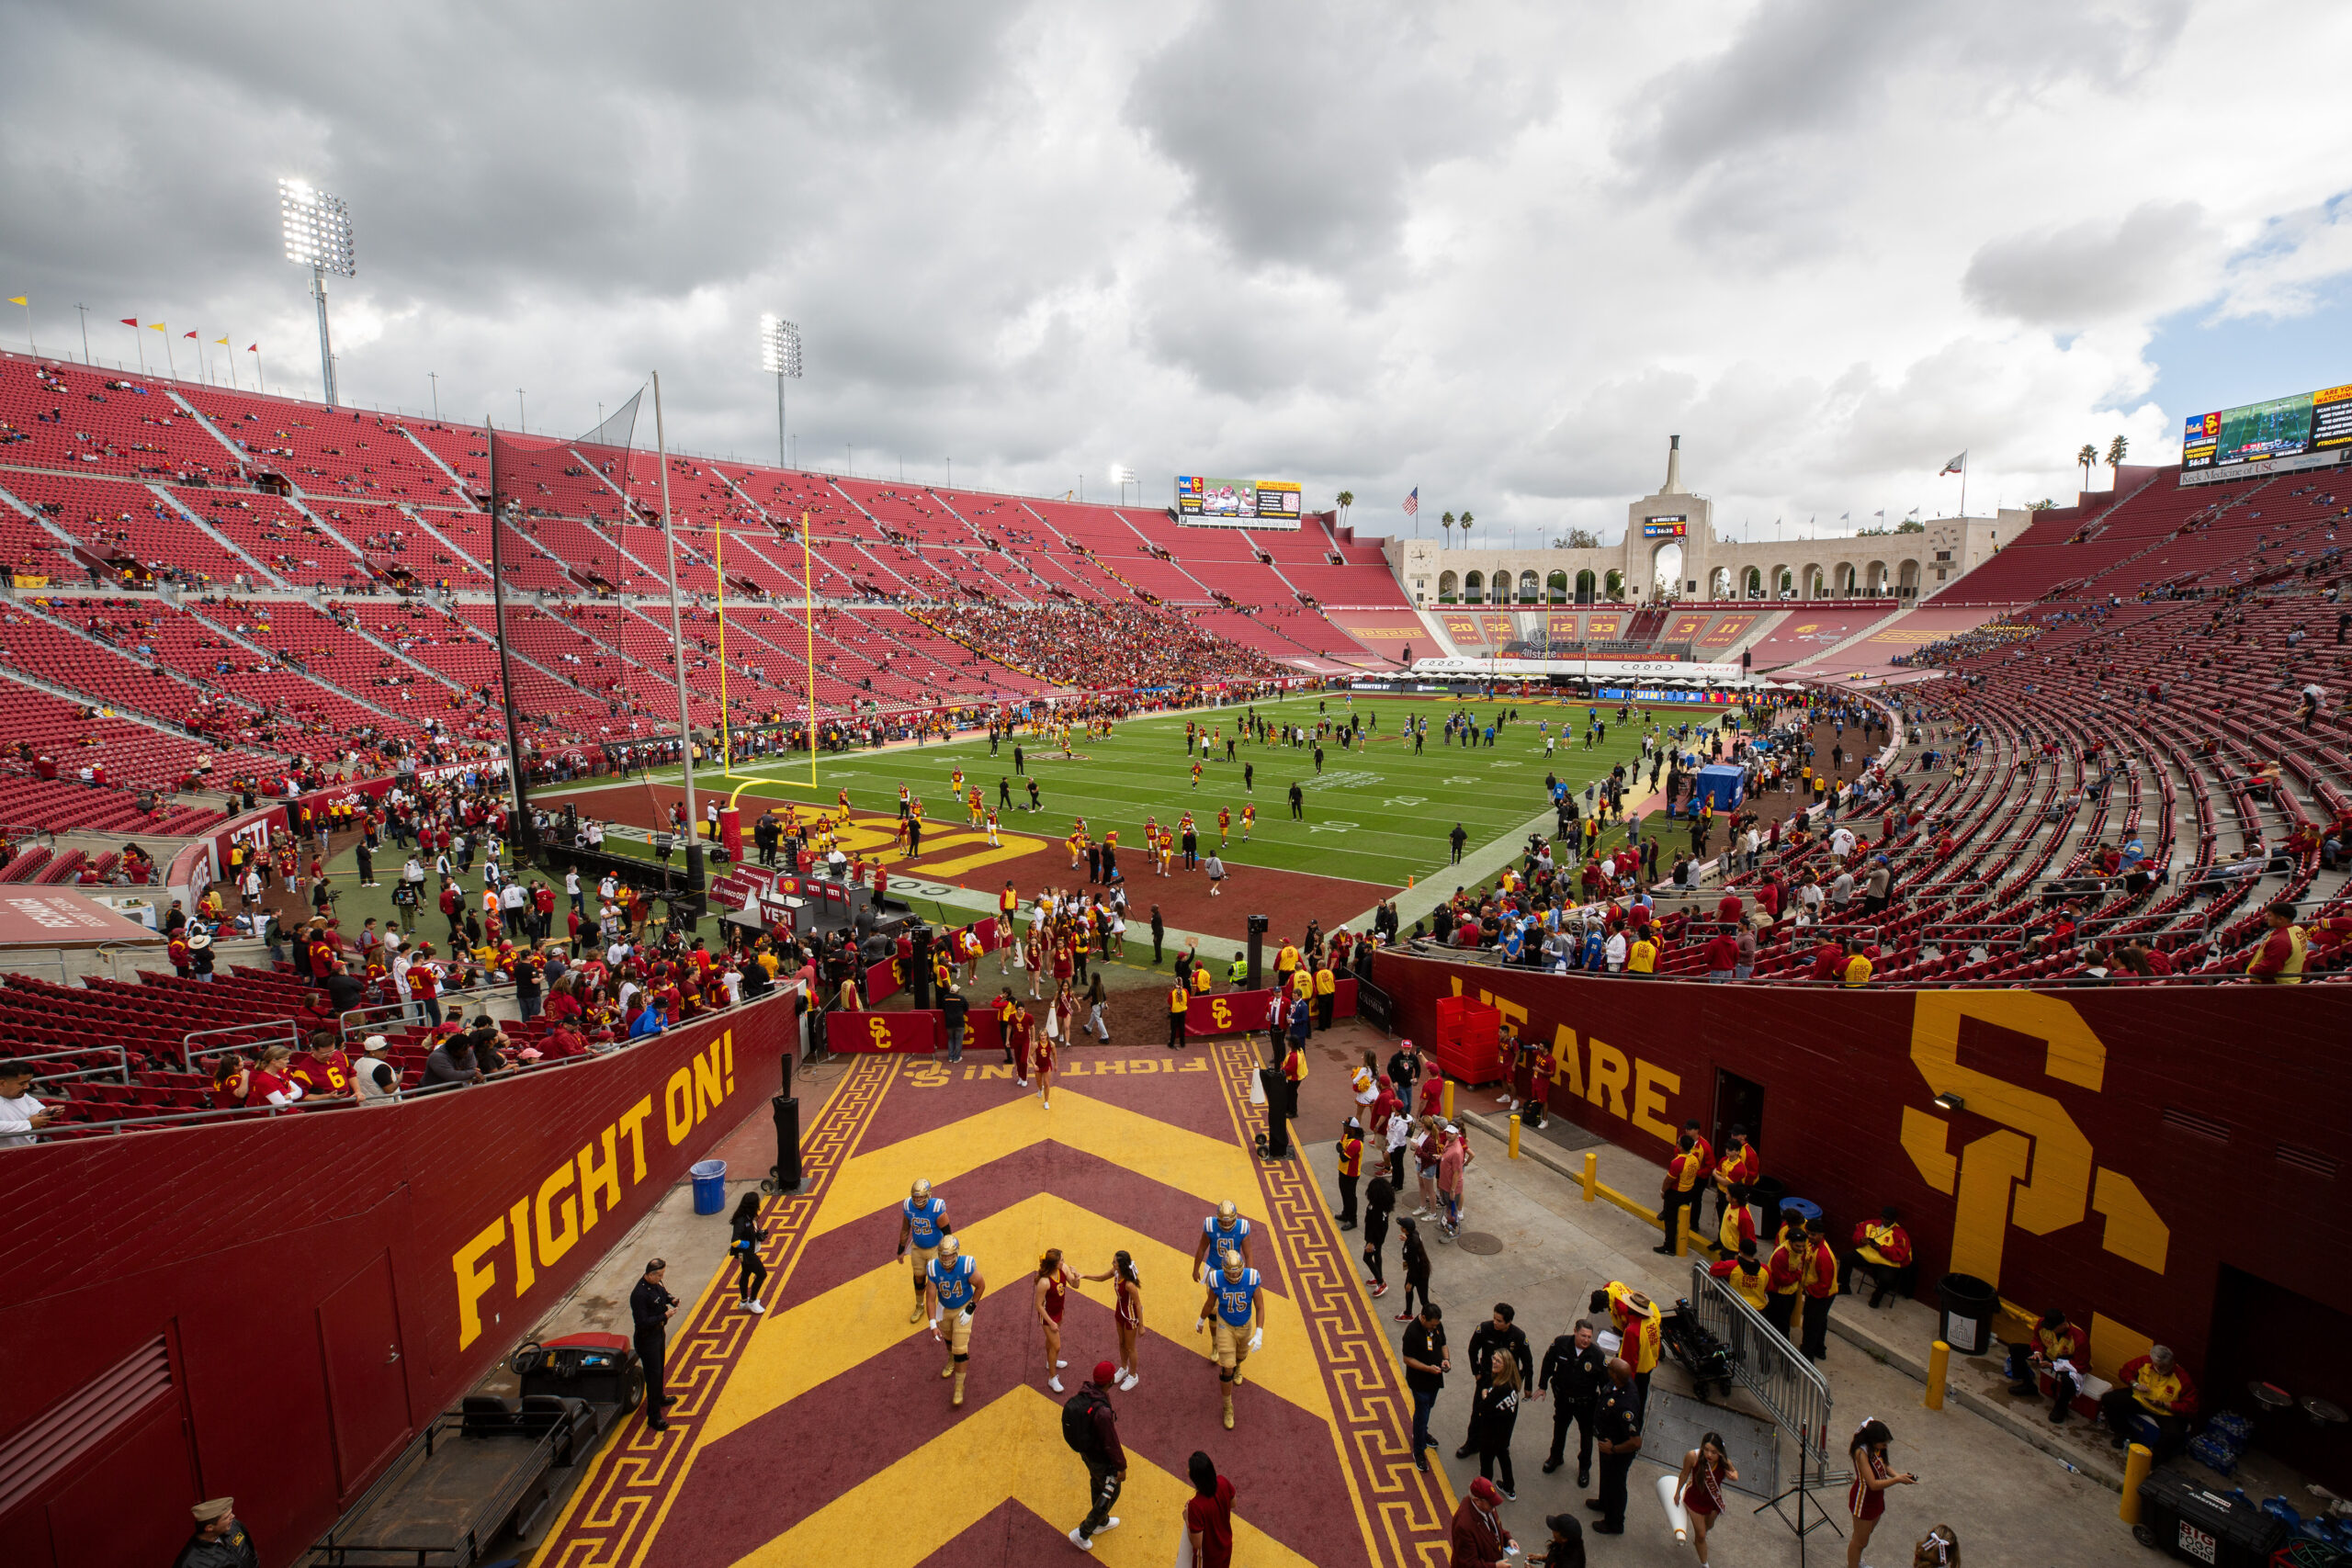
x,y
613,1523
1410,1518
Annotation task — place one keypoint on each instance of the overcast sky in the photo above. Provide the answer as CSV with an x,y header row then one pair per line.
x,y
1496,252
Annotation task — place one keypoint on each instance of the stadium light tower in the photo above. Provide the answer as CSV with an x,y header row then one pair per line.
x,y
780,357
318,235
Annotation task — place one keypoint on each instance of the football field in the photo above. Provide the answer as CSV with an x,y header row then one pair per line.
x,y
1377,813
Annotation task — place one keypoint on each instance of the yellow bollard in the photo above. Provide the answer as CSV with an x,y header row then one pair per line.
x,y
1938,1367
1591,1176
2136,1461
1514,1134
1449,1099
1681,1229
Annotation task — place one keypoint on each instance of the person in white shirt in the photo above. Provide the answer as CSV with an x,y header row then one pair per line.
x,y
373,1080
21,1114
1613,952
400,982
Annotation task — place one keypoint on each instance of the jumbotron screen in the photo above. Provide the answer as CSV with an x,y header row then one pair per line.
x,y
2268,432
1233,503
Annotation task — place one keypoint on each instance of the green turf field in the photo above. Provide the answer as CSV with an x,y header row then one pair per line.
x,y
1377,814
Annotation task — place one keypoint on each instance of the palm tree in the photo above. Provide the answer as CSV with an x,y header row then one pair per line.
x,y
2115,453
2087,459
1346,499
1447,521
1466,520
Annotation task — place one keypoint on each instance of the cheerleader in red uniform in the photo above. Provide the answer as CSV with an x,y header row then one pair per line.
x,y
1055,1279
1866,1498
1127,1313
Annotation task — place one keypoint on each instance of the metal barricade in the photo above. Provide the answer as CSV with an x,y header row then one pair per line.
x,y
229,1037
1791,1390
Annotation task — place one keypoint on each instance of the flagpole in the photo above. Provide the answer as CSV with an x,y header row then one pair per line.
x,y
138,342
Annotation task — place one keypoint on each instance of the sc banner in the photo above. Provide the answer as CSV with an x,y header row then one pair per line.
x,y
896,1032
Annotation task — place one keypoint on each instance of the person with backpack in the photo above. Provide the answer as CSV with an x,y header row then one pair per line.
x,y
1091,1429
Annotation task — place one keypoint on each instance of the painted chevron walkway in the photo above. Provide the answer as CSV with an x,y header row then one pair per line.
x,y
821,1432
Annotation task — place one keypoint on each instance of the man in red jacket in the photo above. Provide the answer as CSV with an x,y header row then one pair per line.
x,y
1479,1539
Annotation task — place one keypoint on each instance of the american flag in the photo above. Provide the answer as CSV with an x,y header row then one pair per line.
x,y
1413,503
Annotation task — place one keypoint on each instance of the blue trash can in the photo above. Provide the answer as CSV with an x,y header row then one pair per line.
x,y
711,1186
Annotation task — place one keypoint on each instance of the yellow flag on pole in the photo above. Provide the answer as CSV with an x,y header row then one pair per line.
x,y
156,326
21,299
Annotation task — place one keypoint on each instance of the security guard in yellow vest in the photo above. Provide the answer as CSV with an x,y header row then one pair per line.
x,y
1179,1004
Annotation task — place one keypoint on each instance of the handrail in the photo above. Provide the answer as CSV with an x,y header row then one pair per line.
x,y
291,1036
122,1068
165,1119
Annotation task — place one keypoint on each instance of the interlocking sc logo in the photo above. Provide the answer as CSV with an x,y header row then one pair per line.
x,y
2036,1169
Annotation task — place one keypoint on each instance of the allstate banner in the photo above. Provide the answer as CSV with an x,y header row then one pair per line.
x,y
894,1033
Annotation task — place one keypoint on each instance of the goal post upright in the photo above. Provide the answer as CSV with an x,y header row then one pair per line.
x,y
808,622
719,606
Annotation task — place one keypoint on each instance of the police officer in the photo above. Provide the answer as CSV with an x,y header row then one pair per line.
x,y
650,1307
219,1540
1573,1373
1619,1424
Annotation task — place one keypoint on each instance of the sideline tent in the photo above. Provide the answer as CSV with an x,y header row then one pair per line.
x,y
1723,784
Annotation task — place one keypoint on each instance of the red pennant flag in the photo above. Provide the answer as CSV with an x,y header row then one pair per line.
x,y
131,321
188,334
253,348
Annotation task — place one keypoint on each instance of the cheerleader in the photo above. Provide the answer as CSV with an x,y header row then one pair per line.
x,y
1705,1468
1126,1287
1050,1298
1866,1498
